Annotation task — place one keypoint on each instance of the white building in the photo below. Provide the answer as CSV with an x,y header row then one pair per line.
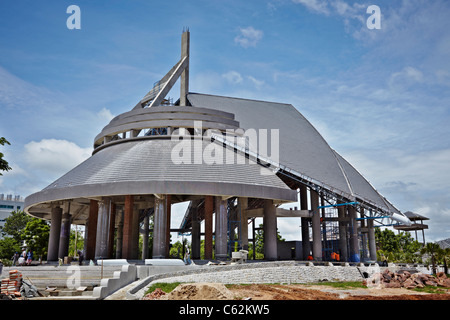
x,y
9,204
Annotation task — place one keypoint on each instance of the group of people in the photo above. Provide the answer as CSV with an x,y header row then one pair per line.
x,y
24,258
334,257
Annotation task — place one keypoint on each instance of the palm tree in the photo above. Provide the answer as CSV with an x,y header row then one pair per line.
x,y
444,254
432,249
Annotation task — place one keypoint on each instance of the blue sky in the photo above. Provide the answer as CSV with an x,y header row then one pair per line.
x,y
379,97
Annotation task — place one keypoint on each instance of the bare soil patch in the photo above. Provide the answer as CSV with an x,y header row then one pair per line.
x,y
305,292
199,291
217,291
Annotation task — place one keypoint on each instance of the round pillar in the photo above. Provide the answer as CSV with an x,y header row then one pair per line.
x,y
55,230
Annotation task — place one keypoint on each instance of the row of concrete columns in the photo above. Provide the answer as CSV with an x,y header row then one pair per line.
x,y
349,248
100,229
59,233
221,229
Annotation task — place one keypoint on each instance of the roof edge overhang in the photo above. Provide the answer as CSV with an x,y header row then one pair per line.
x,y
159,187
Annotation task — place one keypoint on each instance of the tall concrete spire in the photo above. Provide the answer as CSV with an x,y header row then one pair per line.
x,y
184,88
161,88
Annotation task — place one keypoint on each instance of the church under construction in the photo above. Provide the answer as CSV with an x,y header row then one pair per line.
x,y
233,160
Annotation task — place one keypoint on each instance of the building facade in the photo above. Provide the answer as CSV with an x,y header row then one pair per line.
x,y
8,204
233,159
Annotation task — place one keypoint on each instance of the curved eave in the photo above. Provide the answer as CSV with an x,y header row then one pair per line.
x,y
142,167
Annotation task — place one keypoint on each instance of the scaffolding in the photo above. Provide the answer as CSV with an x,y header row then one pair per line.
x,y
330,232
333,228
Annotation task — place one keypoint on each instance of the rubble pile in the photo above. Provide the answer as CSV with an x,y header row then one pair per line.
x,y
408,280
155,295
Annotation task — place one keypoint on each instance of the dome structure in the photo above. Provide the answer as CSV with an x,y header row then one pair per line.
x,y
235,158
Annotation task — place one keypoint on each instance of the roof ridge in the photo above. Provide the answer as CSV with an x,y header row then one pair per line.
x,y
236,98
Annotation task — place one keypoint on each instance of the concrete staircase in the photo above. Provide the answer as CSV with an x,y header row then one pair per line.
x,y
62,278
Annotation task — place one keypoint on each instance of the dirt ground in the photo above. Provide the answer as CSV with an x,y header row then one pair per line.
x,y
305,292
216,291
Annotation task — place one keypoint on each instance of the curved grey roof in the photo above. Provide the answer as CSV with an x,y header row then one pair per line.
x,y
143,165
166,116
301,148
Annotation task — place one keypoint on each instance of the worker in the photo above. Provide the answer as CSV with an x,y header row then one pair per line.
x,y
333,256
337,257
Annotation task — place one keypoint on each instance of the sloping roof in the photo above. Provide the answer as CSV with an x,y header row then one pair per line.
x,y
145,166
415,216
301,147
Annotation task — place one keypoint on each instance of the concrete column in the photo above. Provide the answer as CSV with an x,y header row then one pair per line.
x,y
55,230
119,238
160,227
64,236
184,79
135,234
317,237
168,217
354,241
326,255
242,207
145,247
112,229
101,246
128,227
195,235
209,208
364,236
270,231
372,243
221,239
86,227
306,245
92,230
342,217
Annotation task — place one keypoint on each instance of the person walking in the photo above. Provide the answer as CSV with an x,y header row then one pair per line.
x,y
15,258
29,257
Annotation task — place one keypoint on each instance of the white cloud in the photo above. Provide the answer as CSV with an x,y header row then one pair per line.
x,y
257,83
319,6
248,37
105,115
406,77
354,15
55,157
233,77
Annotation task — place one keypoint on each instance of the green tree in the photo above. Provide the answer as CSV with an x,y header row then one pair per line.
x,y
4,165
385,240
259,242
432,249
8,246
176,251
396,247
444,256
36,234
78,238
15,224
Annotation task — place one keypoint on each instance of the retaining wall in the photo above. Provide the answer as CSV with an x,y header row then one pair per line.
x,y
264,272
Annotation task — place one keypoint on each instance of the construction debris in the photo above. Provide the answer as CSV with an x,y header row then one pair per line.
x,y
15,287
11,286
155,295
28,290
406,279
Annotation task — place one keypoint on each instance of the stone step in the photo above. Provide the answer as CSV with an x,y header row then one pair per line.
x,y
60,276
